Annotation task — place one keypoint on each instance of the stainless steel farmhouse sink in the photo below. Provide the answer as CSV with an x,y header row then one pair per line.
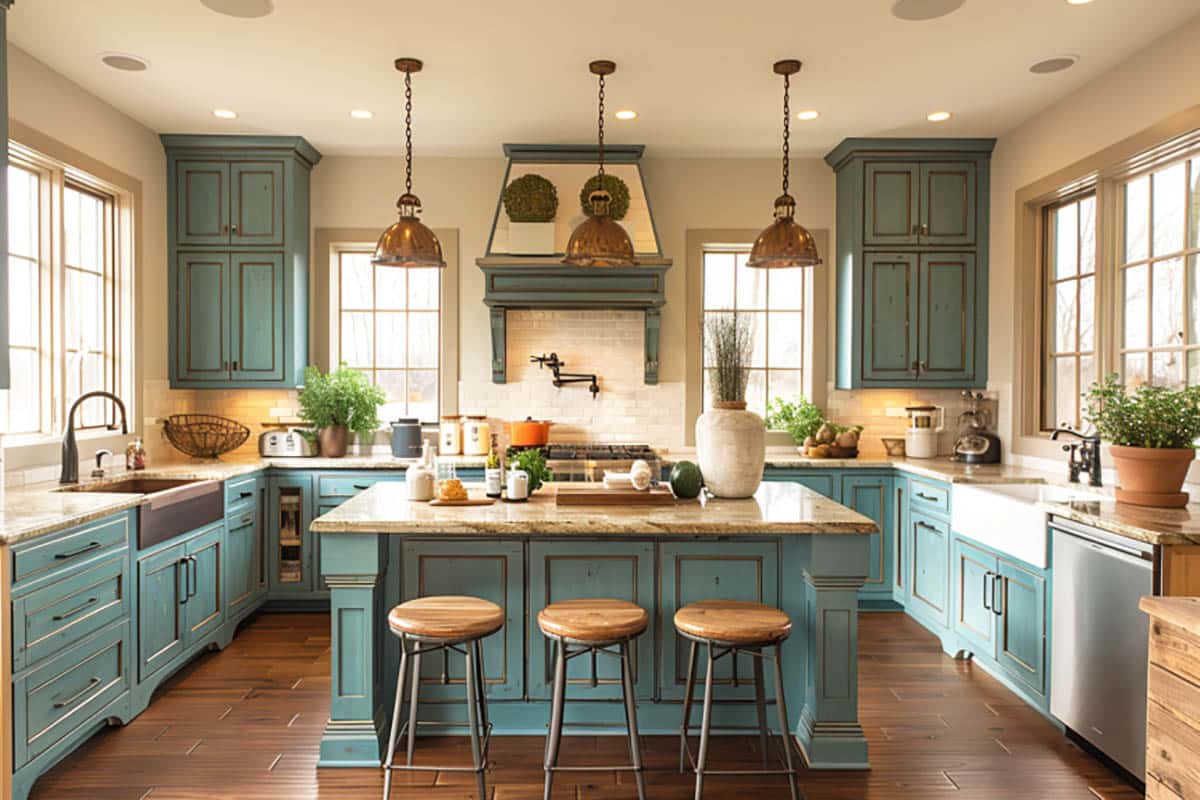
x,y
169,507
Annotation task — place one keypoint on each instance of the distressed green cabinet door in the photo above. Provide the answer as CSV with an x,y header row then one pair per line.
x,y
930,568
825,483
711,570
256,317
1022,639
160,624
568,570
492,570
202,203
201,324
256,203
974,589
947,313
243,561
204,611
890,321
902,580
892,201
948,203
871,496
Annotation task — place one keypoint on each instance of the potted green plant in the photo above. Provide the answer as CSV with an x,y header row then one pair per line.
x,y
618,207
534,464
338,403
815,436
730,441
531,201
1152,431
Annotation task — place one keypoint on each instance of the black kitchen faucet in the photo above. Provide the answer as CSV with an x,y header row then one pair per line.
x,y
563,378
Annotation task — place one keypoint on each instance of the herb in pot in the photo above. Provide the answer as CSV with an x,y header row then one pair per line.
x,y
1149,416
338,402
534,465
799,418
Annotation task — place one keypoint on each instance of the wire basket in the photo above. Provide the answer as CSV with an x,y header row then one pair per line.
x,y
204,435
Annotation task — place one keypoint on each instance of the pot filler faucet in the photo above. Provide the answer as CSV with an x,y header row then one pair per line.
x,y
70,453
1088,449
563,378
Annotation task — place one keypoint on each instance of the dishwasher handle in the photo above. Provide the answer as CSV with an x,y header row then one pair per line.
x,y
1132,549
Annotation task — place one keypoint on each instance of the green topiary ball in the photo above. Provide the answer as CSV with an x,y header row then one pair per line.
x,y
615,187
531,198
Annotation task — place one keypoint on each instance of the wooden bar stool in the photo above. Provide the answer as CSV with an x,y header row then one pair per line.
x,y
592,626
447,624
726,628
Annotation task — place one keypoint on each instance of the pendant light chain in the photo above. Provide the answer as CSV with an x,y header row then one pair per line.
x,y
787,129
601,131
408,132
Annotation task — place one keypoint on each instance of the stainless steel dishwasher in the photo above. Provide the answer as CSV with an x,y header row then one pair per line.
x,y
1100,639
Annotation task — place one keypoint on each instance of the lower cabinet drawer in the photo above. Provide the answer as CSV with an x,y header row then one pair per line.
x,y
929,497
44,556
59,615
67,692
240,490
343,486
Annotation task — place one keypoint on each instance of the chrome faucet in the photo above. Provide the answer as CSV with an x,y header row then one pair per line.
x,y
70,453
1088,449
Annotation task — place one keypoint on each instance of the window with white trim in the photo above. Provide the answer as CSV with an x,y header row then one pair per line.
x,y
1069,301
775,302
388,325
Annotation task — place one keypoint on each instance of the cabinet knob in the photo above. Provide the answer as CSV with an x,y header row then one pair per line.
x,y
224,230
235,230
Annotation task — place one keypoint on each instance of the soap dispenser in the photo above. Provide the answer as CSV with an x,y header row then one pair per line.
x,y
420,477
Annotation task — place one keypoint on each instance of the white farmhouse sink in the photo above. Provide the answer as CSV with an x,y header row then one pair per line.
x,y
1007,518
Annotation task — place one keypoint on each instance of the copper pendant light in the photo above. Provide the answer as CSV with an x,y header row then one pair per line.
x,y
408,242
784,243
600,241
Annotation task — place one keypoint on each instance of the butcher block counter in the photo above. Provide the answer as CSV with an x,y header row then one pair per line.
x,y
1173,707
788,547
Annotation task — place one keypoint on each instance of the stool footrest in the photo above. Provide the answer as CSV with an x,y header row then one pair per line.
x,y
598,768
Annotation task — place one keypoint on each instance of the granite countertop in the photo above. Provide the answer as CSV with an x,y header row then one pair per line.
x,y
1156,526
1183,612
776,508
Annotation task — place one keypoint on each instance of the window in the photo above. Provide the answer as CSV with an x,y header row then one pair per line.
x,y
1069,300
65,307
1160,245
388,323
774,300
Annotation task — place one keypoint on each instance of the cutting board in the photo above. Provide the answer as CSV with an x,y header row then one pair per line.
x,y
593,496
471,501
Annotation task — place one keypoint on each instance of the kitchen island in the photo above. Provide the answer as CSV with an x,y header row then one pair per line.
x,y
788,546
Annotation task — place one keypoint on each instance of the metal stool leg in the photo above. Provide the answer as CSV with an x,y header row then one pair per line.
x,y
635,743
705,723
687,707
472,719
760,700
481,687
394,733
785,732
554,737
412,706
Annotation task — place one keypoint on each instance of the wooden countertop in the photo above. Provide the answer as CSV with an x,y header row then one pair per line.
x,y
776,508
1182,612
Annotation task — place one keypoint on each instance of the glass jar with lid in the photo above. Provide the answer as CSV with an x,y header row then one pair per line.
x,y
450,436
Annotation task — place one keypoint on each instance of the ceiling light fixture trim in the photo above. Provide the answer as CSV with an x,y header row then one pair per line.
x,y
924,10
1054,64
242,9
224,113
939,116
361,113
626,114
125,62
808,115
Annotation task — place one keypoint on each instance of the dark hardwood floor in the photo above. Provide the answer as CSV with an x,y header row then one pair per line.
x,y
245,724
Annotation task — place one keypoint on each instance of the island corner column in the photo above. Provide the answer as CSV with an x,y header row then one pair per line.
x,y
353,566
822,576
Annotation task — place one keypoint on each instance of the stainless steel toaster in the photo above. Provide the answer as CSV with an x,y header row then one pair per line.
x,y
285,444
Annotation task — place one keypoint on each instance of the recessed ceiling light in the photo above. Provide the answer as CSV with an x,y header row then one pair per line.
x,y
362,113
125,62
938,116
808,114
921,10
1078,2
626,113
1055,64
245,9
224,113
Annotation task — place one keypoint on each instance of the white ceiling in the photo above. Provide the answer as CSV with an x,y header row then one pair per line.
x,y
698,72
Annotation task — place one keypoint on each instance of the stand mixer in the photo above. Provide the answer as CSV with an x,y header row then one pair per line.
x,y
975,443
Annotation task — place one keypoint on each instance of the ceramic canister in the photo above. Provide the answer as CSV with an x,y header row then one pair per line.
x,y
518,484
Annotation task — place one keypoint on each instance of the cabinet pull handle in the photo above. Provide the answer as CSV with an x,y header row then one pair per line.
x,y
246,520
362,487
924,228
244,495
224,230
915,369
235,229
77,609
986,580
87,548
921,366
195,579
916,229
235,366
924,496
75,698
997,594
927,526
182,563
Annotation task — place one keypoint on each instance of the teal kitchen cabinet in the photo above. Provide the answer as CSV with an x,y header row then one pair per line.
x,y
204,602
291,547
567,571
871,496
826,483
238,246
712,570
245,568
493,570
974,597
162,592
929,570
912,262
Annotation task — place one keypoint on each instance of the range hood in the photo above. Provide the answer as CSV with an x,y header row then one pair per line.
x,y
514,281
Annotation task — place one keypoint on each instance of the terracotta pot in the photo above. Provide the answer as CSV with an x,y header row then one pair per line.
x,y
334,440
731,449
529,433
1152,476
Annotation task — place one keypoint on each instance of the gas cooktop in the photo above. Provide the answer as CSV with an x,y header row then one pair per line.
x,y
587,461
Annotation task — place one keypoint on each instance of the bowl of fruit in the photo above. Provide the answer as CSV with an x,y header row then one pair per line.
x,y
833,441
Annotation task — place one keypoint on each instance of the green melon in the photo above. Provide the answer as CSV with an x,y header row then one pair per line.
x,y
686,480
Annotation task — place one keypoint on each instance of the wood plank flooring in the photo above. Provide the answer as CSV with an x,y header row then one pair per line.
x,y
245,724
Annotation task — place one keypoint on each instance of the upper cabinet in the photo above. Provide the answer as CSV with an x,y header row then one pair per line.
x,y
911,264
238,234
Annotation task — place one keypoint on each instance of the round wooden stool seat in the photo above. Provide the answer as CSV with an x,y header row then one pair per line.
x,y
446,617
594,620
733,621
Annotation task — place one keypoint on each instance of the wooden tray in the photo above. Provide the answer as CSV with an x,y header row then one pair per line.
x,y
592,496
470,501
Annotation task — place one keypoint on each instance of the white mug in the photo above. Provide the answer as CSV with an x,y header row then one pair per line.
x,y
518,484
